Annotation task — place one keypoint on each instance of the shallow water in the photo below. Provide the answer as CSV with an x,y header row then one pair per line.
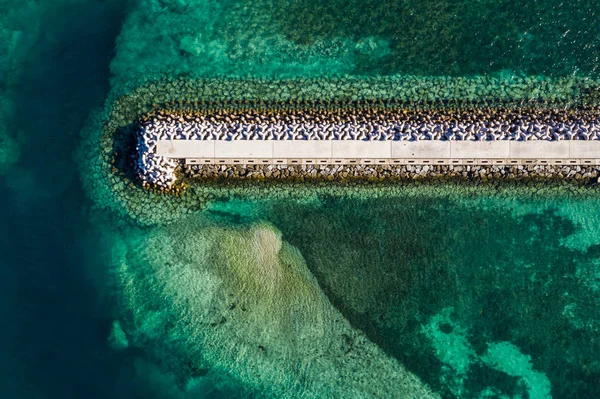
x,y
484,297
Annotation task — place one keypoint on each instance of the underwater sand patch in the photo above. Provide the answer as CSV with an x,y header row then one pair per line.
x,y
241,301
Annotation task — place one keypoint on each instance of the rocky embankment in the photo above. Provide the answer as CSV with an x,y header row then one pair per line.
x,y
525,173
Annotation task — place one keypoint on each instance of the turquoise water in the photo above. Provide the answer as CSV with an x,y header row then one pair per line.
x,y
299,293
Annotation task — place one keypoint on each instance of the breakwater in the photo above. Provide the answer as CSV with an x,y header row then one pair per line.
x,y
365,132
111,178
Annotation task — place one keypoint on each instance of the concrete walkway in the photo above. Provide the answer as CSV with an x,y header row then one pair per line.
x,y
381,152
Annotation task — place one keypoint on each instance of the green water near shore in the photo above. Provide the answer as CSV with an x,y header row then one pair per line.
x,y
298,293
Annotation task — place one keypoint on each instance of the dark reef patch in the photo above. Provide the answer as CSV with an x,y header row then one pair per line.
x,y
450,38
506,277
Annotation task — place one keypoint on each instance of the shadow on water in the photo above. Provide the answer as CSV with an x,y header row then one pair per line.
x,y
124,144
56,335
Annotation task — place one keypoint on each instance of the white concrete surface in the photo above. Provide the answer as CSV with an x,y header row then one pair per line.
x,y
302,148
243,148
377,152
584,149
480,149
420,149
540,149
186,148
360,149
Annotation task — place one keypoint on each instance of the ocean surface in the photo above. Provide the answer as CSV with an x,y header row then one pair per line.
x,y
478,297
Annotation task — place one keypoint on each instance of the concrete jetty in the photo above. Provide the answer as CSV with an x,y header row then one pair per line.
x,y
449,152
361,135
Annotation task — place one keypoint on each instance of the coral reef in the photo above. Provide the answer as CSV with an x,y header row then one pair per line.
x,y
451,345
507,358
449,38
274,38
241,301
395,266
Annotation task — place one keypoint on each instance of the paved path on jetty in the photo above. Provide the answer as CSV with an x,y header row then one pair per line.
x,y
381,152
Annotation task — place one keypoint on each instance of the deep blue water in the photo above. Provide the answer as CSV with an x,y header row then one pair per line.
x,y
55,327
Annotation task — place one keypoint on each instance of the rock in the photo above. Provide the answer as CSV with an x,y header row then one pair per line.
x,y
117,339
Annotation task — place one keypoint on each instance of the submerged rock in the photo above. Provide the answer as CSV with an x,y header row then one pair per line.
x,y
9,150
117,338
241,301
